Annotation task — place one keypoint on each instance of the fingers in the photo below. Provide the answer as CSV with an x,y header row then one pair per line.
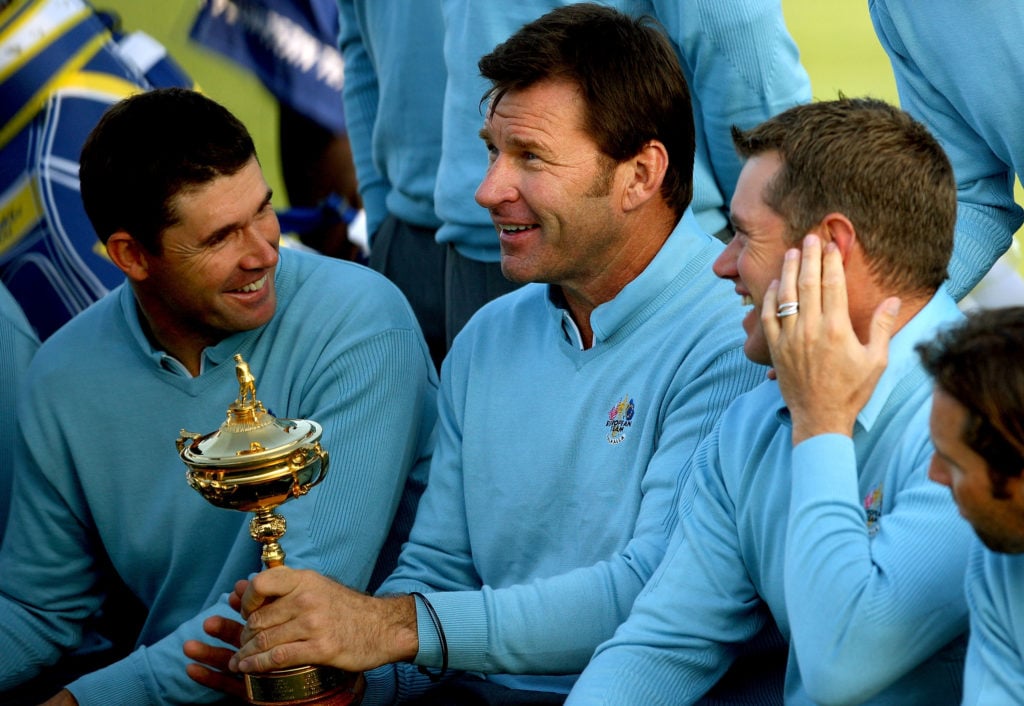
x,y
235,598
208,655
229,631
218,681
286,655
833,281
807,278
212,668
265,586
769,318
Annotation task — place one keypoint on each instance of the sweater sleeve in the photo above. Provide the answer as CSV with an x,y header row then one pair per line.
x,y
360,96
992,672
850,597
742,65
659,656
48,556
340,527
18,343
987,215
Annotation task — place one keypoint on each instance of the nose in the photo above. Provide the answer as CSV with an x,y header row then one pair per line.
x,y
938,471
261,246
724,265
497,186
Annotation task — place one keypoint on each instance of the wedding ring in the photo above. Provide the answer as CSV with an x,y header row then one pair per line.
x,y
787,309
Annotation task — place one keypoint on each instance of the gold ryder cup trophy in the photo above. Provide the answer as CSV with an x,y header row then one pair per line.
x,y
253,463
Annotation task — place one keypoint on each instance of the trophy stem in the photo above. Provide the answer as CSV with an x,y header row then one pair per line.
x,y
266,527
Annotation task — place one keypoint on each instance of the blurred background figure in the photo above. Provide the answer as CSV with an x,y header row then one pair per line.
x,y
937,57
394,97
62,64
291,46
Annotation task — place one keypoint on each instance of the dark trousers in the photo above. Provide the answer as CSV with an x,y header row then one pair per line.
x,y
409,256
443,287
469,690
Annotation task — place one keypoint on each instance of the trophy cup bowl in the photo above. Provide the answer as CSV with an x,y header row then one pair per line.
x,y
253,463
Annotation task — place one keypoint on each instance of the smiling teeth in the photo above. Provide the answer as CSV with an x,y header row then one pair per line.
x,y
748,300
515,229
255,286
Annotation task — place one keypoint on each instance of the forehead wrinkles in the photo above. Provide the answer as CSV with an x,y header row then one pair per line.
x,y
543,114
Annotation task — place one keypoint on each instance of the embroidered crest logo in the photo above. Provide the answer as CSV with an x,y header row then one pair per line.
x,y
620,418
873,508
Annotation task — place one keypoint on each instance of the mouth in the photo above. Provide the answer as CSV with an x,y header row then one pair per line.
x,y
253,286
511,230
747,300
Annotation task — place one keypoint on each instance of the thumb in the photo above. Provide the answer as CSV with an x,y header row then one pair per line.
x,y
883,321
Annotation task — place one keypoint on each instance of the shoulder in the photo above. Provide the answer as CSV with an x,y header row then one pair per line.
x,y
337,287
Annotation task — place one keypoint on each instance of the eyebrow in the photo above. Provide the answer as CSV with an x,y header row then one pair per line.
x,y
513,141
228,228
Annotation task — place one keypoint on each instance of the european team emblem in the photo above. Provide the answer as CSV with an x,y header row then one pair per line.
x,y
620,418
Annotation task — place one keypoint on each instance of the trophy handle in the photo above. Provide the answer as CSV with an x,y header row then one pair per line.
x,y
184,437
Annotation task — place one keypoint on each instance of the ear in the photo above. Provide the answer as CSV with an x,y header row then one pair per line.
x,y
645,176
129,255
837,228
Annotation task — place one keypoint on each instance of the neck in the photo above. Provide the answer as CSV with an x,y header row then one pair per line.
x,y
184,346
640,245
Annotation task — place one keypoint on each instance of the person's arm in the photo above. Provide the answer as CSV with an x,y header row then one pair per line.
x,y
552,625
992,674
48,586
851,597
360,95
977,122
742,67
679,637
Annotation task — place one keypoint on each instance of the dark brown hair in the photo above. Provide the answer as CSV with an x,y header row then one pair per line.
x,y
149,148
877,166
628,75
979,364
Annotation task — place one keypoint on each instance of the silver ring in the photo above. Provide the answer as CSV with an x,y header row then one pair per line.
x,y
787,309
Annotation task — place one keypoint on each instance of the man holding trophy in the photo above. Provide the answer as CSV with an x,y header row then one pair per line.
x,y
172,184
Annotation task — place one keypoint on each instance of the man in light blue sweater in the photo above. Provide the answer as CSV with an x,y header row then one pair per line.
x,y
812,553
171,181
956,67
569,410
976,419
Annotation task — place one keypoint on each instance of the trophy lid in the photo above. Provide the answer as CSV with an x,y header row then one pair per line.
x,y
250,435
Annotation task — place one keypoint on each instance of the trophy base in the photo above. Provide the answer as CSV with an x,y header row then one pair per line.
x,y
319,686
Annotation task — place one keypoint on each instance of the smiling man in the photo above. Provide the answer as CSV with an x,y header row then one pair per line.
x,y
569,409
171,181
813,560
976,424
